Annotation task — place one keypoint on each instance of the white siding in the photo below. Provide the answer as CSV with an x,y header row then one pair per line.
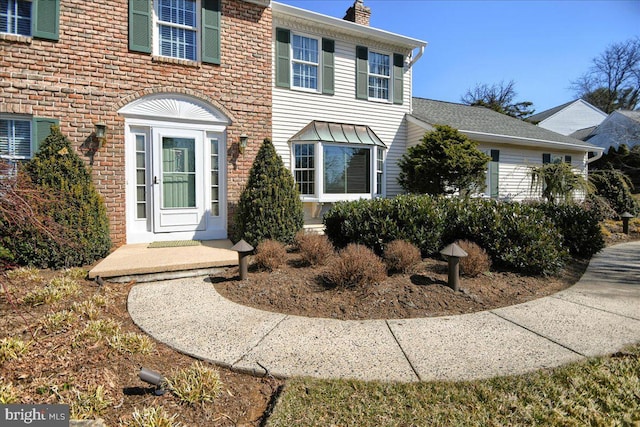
x,y
576,116
294,109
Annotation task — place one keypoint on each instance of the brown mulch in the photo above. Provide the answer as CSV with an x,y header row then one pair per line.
x,y
299,290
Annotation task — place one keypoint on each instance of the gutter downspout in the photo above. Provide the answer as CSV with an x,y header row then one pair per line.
x,y
596,157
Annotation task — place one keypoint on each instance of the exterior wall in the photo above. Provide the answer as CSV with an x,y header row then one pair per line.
x,y
89,74
294,109
514,182
576,116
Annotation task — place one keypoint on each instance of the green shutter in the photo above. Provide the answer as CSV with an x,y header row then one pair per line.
x,y
494,173
328,66
41,128
283,66
45,22
211,13
362,72
398,78
546,158
140,25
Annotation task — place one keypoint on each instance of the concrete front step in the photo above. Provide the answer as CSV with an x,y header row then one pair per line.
x,y
141,263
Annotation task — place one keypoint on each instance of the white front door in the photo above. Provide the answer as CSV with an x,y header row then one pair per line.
x,y
178,180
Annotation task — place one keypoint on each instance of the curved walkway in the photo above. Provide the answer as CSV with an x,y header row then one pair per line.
x,y
599,315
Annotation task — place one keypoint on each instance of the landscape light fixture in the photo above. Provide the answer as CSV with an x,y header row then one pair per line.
x,y
244,139
154,378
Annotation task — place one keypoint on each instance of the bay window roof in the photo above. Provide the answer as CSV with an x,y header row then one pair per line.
x,y
337,133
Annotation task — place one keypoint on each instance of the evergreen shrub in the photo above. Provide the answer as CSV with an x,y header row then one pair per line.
x,y
81,232
269,206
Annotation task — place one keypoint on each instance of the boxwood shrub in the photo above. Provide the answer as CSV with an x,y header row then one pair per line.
x,y
516,236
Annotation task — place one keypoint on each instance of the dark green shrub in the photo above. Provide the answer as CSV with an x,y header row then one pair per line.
x,y
579,226
81,232
516,236
401,256
356,265
374,223
615,187
269,206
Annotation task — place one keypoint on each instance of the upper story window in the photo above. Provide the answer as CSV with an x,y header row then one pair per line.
x,y
379,76
15,17
177,26
305,62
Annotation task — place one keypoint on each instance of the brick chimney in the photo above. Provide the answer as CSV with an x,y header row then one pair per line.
x,y
358,13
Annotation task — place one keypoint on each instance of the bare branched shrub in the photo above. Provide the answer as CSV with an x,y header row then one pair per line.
x,y
315,249
356,265
402,256
477,261
270,254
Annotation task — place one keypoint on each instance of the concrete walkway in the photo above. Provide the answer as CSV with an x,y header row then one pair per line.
x,y
597,316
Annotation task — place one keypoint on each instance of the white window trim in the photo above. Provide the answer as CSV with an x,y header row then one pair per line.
x,y
156,32
320,196
292,60
23,119
389,78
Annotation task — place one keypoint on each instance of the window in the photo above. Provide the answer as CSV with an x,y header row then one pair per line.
x,y
379,76
15,139
305,62
177,22
346,170
304,168
15,17
379,170
141,176
215,177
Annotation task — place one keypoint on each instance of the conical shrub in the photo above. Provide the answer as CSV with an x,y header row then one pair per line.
x,y
82,232
269,206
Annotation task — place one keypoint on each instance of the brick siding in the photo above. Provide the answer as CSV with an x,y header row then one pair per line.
x,y
89,74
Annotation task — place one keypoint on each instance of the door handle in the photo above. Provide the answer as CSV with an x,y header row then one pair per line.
x,y
155,179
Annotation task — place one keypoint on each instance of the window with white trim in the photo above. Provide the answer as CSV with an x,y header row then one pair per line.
x,y
379,75
177,27
15,17
305,62
341,169
15,139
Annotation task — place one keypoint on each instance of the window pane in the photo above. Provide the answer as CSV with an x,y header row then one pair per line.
x,y
305,62
304,169
177,42
15,17
347,170
378,88
305,76
15,139
181,12
379,64
305,49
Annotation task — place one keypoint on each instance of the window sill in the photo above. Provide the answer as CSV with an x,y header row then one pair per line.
x,y
177,61
16,38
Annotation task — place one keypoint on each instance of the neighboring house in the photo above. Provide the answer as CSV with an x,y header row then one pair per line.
x,y
514,145
341,93
175,82
569,118
622,127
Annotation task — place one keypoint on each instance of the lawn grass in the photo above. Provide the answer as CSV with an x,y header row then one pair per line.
x,y
601,391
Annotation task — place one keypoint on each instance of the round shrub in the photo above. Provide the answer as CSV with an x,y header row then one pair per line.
x,y
402,256
356,265
81,234
477,260
315,249
269,206
270,254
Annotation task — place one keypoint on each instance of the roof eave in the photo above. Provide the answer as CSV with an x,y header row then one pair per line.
x,y
347,26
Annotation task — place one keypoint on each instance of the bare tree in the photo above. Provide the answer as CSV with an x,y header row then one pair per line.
x,y
613,80
498,97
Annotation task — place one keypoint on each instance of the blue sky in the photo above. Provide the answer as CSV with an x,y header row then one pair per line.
x,y
541,45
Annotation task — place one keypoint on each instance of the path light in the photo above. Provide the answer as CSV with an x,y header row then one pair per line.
x,y
243,249
625,222
453,253
153,378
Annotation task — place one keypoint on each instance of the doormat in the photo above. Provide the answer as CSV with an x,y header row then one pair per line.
x,y
174,244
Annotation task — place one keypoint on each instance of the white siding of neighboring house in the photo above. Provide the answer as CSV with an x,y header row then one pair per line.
x,y
579,115
294,109
514,166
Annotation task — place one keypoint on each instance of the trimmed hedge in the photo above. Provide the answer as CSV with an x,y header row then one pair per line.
x,y
516,236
